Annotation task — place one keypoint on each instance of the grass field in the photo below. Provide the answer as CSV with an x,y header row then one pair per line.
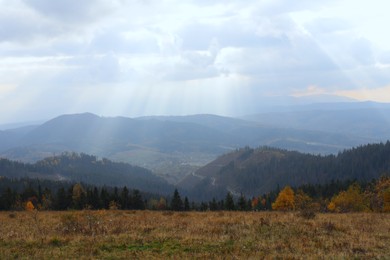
x,y
232,235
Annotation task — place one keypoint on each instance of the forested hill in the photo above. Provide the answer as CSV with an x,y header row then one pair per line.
x,y
257,171
88,169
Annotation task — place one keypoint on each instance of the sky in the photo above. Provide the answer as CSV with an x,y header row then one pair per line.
x,y
169,57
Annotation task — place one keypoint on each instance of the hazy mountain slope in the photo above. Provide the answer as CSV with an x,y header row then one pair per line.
x,y
171,146
10,138
256,171
87,169
83,130
252,133
368,120
220,123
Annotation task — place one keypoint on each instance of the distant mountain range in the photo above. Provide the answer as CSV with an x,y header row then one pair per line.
x,y
367,119
175,146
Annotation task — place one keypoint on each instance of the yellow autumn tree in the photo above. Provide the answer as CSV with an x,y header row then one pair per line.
x,y
29,206
285,200
350,200
382,195
302,200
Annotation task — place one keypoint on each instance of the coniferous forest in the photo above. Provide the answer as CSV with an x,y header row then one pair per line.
x,y
80,181
336,196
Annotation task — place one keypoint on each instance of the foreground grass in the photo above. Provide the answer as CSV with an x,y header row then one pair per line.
x,y
147,234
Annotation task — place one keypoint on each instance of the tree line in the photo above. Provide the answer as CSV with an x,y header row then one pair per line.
x,y
336,196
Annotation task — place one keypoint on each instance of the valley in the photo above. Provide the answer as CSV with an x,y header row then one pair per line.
x,y
204,155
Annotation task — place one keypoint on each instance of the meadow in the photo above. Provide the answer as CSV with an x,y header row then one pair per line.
x,y
111,234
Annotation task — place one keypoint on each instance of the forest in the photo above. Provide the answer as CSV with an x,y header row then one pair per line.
x,y
336,196
261,170
319,183
75,167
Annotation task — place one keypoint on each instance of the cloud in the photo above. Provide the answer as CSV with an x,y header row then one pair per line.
x,y
310,91
166,55
71,11
381,94
327,25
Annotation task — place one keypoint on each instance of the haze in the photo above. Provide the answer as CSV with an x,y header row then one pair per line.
x,y
136,58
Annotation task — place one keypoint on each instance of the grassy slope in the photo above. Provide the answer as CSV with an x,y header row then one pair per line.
x,y
145,234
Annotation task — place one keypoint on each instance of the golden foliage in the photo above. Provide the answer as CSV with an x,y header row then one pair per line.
x,y
285,200
302,200
352,200
382,195
29,206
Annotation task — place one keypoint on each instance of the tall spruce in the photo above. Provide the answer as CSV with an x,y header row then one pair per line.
x,y
176,203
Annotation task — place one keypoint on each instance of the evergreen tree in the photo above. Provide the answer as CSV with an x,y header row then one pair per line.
x,y
61,201
242,203
186,204
125,200
104,198
176,203
137,200
229,202
213,205
7,199
95,201
78,196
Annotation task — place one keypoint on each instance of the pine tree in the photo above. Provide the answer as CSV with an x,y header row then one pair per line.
x,y
186,204
124,200
229,202
62,202
242,203
137,201
176,203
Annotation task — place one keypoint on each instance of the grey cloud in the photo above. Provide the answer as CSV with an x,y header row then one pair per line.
x,y
190,66
22,27
301,55
327,25
91,70
336,36
361,50
115,41
198,36
278,7
70,11
384,57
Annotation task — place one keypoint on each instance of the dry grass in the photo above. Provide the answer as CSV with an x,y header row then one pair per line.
x,y
148,234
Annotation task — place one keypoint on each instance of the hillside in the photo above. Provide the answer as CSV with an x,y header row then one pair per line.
x,y
257,171
88,169
172,146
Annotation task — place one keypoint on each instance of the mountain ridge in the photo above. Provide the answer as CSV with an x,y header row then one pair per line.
x,y
253,172
175,146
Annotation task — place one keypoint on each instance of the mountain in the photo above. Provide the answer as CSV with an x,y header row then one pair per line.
x,y
256,171
171,146
175,146
364,119
88,169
